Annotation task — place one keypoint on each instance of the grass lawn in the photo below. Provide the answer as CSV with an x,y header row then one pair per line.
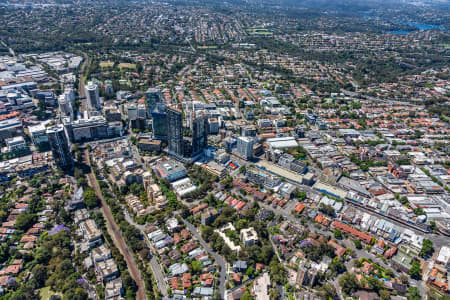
x,y
106,64
46,293
207,47
127,66
259,31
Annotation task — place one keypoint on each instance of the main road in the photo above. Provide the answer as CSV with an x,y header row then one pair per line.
x,y
116,235
81,91
11,51
219,260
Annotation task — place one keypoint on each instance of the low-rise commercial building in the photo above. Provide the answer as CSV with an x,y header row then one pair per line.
x,y
170,170
10,128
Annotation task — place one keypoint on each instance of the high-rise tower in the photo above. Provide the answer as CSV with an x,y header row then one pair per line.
x,y
152,96
245,147
65,101
92,96
199,134
59,145
159,121
175,130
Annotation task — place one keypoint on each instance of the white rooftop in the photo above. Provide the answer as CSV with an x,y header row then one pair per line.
x,y
282,142
444,255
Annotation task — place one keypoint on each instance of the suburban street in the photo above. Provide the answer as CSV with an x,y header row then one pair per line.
x,y
159,276
219,260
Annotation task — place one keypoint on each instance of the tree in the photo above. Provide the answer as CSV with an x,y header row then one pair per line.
x,y
25,221
413,293
24,292
274,293
389,273
337,234
415,271
277,272
136,188
327,209
242,169
207,232
90,198
337,266
247,296
300,195
403,200
249,271
316,253
3,215
76,294
375,284
266,254
385,295
241,224
404,279
40,275
349,283
128,281
4,252
357,243
419,211
427,248
328,291
196,266
433,225
42,255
